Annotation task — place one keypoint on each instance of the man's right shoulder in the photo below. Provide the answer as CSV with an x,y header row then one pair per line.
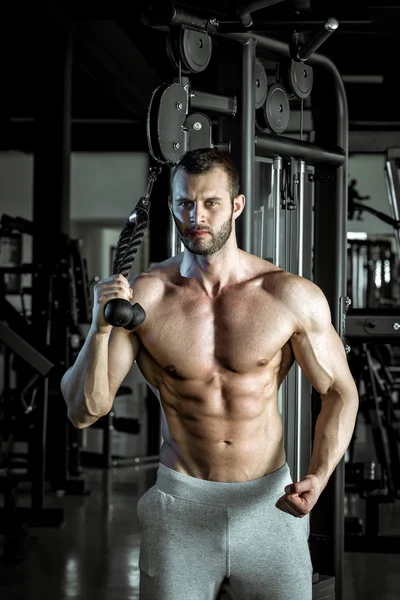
x,y
154,280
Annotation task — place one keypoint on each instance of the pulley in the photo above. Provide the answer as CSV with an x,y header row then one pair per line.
x,y
277,109
300,79
199,130
189,50
166,115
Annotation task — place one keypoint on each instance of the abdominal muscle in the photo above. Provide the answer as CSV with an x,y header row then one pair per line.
x,y
210,438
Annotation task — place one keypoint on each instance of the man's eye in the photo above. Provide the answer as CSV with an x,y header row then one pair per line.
x,y
187,203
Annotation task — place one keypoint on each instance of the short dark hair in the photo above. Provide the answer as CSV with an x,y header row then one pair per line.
x,y
204,160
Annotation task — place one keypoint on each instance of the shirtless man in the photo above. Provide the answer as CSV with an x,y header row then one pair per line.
x,y
222,330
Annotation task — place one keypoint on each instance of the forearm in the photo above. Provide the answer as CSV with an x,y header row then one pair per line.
x,y
85,386
333,432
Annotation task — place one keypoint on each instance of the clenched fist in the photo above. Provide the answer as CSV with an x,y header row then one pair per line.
x,y
115,286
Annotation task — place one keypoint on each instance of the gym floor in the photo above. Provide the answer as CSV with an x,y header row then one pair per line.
x,y
95,554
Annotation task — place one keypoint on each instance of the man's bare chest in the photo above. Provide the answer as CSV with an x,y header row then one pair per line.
x,y
240,333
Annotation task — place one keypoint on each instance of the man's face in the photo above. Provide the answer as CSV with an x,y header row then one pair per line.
x,y
202,210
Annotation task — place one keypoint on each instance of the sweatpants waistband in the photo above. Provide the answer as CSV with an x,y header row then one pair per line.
x,y
177,484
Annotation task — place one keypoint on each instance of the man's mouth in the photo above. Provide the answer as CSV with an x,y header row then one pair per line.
x,y
197,233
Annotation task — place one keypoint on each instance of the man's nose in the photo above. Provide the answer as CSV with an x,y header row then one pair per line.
x,y
197,214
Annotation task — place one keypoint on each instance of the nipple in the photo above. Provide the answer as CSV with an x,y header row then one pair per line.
x,y
171,369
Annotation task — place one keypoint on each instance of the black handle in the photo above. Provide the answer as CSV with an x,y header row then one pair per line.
x,y
318,39
121,313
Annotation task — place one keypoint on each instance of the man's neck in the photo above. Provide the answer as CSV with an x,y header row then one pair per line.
x,y
214,271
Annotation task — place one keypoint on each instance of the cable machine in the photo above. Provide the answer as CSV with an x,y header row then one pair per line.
x,y
247,114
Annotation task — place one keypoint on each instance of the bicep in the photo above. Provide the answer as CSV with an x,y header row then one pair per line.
x,y
321,356
316,345
123,349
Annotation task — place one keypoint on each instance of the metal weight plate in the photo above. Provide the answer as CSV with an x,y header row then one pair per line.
x,y
277,108
200,131
195,47
261,83
301,78
166,115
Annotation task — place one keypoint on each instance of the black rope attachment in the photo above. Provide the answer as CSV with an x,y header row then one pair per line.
x,y
118,312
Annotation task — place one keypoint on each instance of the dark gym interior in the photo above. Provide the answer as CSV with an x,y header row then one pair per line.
x,y
296,90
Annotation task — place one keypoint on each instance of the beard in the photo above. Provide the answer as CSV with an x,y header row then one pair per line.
x,y
209,245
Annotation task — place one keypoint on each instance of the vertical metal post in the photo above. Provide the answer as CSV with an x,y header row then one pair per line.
x,y
247,141
276,187
298,419
51,218
330,274
300,207
162,241
175,244
278,261
393,189
159,229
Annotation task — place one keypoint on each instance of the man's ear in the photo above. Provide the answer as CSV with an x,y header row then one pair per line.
x,y
238,205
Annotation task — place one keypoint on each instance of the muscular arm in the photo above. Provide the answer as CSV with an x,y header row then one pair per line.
x,y
90,385
319,351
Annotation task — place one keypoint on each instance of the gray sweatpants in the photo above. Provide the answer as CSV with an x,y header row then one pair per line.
x,y
206,540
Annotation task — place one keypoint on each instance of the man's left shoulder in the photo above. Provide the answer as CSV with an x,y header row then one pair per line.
x,y
287,283
300,294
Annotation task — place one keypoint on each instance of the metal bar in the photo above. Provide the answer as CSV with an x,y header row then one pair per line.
x,y
263,27
34,351
393,189
395,223
364,78
298,420
22,348
247,126
167,14
301,200
319,37
312,154
370,325
332,240
51,202
214,103
276,187
175,244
